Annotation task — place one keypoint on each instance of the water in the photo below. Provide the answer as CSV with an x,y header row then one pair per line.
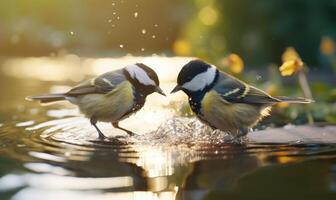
x,y
53,152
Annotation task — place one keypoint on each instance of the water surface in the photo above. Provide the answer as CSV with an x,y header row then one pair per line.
x,y
53,153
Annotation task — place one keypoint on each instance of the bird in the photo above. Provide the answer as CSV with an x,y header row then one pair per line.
x,y
112,96
224,102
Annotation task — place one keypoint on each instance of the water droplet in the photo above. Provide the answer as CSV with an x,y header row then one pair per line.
x,y
142,49
72,33
113,25
114,13
136,14
118,18
156,25
110,20
153,36
143,31
121,46
20,145
113,4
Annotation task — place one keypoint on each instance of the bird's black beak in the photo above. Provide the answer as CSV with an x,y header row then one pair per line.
x,y
160,91
176,89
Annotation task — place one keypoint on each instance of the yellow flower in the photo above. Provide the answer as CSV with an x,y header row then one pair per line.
x,y
291,66
290,54
234,63
327,46
292,62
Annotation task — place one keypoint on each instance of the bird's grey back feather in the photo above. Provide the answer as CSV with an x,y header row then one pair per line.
x,y
227,85
236,91
102,84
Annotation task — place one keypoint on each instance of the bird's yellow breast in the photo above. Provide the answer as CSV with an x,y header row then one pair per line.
x,y
108,107
228,116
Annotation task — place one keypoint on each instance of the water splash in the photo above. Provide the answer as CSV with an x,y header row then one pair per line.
x,y
177,131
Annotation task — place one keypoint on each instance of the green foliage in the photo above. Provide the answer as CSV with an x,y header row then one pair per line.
x,y
260,30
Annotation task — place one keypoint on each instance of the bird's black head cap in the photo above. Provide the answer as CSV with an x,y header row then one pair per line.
x,y
190,70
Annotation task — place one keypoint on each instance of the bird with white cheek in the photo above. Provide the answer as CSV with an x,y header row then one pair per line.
x,y
110,97
224,102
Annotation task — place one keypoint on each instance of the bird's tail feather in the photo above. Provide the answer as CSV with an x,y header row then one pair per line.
x,y
47,98
295,100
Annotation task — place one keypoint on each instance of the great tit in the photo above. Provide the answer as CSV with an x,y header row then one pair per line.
x,y
112,96
222,101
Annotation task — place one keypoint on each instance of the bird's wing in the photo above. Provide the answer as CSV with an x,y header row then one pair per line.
x,y
103,84
233,90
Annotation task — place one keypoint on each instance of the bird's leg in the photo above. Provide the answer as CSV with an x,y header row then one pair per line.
x,y
116,125
242,132
93,122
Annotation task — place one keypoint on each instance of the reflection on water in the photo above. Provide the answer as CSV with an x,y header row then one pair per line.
x,y
53,152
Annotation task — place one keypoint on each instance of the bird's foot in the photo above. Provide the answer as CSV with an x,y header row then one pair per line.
x,y
116,125
110,141
101,136
130,133
240,140
243,132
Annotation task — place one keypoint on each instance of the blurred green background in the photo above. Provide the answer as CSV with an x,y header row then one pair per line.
x,y
257,30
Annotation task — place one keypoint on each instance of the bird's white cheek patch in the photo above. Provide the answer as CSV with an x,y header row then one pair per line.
x,y
139,74
195,85
200,81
